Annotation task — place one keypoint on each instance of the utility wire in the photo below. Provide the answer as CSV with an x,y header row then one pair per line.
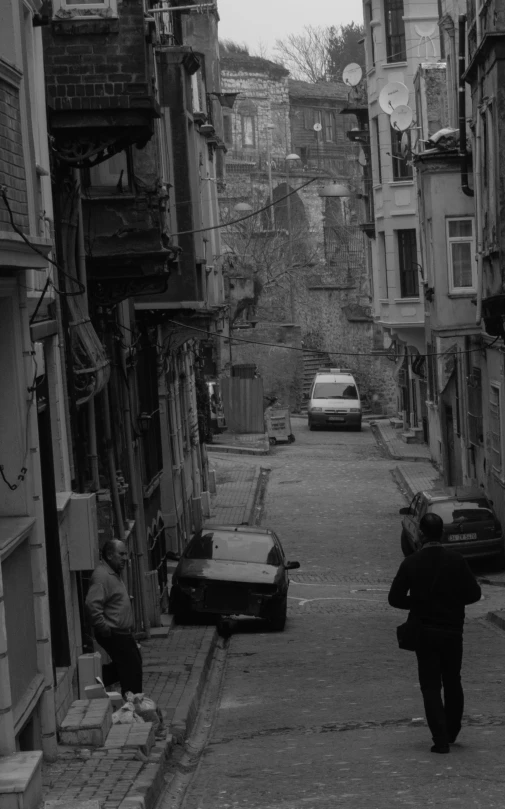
x,y
247,216
330,353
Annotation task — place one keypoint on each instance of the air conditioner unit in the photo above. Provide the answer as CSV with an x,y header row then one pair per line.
x,y
82,532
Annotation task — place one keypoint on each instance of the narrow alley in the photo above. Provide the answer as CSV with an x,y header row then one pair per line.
x,y
329,712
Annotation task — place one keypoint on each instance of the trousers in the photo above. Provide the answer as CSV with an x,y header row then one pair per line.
x,y
439,659
126,665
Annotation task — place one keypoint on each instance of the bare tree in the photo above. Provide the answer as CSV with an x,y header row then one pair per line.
x,y
307,55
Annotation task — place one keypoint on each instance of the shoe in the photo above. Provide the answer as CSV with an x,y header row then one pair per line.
x,y
440,748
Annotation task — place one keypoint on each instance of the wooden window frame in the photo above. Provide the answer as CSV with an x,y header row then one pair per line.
x,y
409,276
453,289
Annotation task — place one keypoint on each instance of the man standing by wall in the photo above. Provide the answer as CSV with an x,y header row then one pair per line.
x,y
440,585
109,609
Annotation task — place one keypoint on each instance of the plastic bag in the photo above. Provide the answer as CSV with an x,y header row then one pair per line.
x,y
126,715
146,708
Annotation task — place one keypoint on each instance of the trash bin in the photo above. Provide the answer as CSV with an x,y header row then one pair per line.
x,y
278,425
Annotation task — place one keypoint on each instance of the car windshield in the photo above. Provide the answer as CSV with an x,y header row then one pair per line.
x,y
477,510
234,547
334,390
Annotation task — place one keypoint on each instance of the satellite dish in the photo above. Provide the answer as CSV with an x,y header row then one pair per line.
x,y
401,117
352,74
362,158
405,144
317,127
392,96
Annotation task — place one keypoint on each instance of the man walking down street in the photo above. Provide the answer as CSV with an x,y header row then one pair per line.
x,y
435,584
108,606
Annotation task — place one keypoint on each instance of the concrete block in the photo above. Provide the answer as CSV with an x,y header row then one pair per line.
x,y
87,723
94,692
139,736
396,423
21,780
89,667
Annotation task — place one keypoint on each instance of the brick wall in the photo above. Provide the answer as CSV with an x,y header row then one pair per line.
x,y
12,172
97,64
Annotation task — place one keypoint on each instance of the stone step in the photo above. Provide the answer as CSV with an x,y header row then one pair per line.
x,y
87,723
413,436
396,423
21,780
139,736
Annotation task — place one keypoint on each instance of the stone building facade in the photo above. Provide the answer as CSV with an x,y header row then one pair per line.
x,y
307,254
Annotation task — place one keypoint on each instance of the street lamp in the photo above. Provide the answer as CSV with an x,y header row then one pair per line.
x,y
290,158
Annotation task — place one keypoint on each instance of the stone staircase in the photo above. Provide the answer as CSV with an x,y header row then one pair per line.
x,y
312,362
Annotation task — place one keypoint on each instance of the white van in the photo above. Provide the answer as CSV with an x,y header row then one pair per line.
x,y
334,400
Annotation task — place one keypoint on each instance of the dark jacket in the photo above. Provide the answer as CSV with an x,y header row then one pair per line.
x,y
455,586
108,603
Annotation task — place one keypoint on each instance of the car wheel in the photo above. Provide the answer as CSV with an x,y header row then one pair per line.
x,y
311,427
357,428
279,615
499,560
406,546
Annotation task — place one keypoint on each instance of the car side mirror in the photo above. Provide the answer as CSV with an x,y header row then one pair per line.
x,y
405,510
292,565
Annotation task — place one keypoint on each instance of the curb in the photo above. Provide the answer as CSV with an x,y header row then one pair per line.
x,y
148,786
234,450
497,618
250,509
402,484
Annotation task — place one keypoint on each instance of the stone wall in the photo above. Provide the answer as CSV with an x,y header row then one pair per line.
x,y
12,172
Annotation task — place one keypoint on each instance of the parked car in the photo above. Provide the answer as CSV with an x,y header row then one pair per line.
x,y
232,570
334,400
470,524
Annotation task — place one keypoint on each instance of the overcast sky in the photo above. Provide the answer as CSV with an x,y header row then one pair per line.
x,y
255,21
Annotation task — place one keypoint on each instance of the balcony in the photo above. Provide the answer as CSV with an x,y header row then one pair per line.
x,y
98,85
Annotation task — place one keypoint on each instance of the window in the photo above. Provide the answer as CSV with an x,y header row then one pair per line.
x,y
329,126
67,9
494,427
308,118
383,267
248,138
227,130
378,147
461,252
395,31
432,372
402,166
110,176
475,407
407,262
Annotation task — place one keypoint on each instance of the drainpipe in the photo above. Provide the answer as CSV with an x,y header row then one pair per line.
x,y
112,464
462,108
478,180
139,532
81,274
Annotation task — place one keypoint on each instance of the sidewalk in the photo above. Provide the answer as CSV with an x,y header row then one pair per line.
x,y
176,662
175,671
398,449
412,477
237,485
240,444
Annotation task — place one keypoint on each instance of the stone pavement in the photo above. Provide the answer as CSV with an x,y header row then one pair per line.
x,y
390,439
176,661
236,491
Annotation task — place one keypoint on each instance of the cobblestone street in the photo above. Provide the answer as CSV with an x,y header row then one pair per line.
x,y
329,713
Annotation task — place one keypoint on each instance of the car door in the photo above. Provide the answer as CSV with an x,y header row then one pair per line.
x,y
409,521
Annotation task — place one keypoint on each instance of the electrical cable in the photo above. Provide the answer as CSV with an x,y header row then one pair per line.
x,y
247,216
82,288
326,353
